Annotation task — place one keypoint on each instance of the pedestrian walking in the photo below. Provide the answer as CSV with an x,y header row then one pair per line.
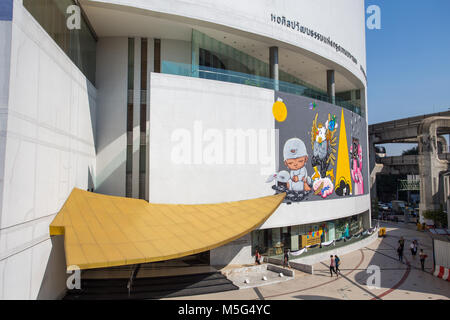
x,y
332,265
286,259
401,242
257,257
422,256
412,248
400,253
337,261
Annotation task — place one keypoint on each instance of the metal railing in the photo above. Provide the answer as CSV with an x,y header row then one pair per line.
x,y
189,70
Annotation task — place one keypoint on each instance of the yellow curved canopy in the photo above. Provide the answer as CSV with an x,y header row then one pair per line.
x,y
105,231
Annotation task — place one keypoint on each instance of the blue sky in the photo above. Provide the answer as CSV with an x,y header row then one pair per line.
x,y
408,60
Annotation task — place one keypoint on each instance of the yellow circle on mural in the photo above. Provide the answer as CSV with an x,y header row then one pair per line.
x,y
279,111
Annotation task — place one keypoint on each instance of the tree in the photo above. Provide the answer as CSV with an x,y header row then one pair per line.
x,y
438,216
411,152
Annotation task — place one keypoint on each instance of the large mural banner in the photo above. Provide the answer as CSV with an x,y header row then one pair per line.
x,y
322,150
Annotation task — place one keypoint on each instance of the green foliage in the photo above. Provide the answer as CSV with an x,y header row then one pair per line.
x,y
438,216
411,152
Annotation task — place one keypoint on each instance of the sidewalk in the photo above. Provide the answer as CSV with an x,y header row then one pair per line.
x,y
402,281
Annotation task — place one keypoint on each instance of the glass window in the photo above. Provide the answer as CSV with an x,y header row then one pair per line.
x,y
79,45
274,242
215,54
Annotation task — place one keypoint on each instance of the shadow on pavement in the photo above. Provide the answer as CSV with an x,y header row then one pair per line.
x,y
310,297
406,275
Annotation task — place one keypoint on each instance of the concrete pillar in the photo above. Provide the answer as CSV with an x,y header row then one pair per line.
x,y
274,71
295,231
331,86
442,145
447,196
431,169
372,168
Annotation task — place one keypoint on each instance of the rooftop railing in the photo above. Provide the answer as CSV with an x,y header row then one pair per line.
x,y
188,70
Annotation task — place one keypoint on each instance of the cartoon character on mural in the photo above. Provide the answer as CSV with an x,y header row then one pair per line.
x,y
282,179
323,144
296,183
356,170
346,231
323,187
295,158
336,169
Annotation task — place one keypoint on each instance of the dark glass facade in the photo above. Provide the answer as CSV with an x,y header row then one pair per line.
x,y
276,241
78,44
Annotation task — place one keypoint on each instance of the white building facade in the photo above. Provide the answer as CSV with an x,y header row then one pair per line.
x,y
177,102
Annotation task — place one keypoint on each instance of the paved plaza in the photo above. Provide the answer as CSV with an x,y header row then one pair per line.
x,y
399,281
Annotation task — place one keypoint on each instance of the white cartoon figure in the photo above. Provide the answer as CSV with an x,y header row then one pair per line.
x,y
295,158
323,143
282,179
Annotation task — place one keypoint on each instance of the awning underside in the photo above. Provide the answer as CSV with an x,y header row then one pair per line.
x,y
105,231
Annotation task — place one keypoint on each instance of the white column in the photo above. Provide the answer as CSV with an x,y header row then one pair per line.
x,y
5,65
150,69
295,230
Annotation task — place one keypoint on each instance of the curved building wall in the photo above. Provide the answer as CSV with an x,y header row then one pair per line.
x,y
213,141
342,23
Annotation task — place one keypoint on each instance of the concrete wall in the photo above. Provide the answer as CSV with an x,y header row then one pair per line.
x,y
442,253
316,211
111,137
295,265
49,149
112,91
5,60
234,253
206,110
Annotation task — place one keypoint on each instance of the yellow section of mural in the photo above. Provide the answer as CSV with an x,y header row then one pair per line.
x,y
343,177
105,231
279,111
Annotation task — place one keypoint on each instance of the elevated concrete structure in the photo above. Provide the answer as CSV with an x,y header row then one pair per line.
x,y
402,130
432,162
434,180
403,165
